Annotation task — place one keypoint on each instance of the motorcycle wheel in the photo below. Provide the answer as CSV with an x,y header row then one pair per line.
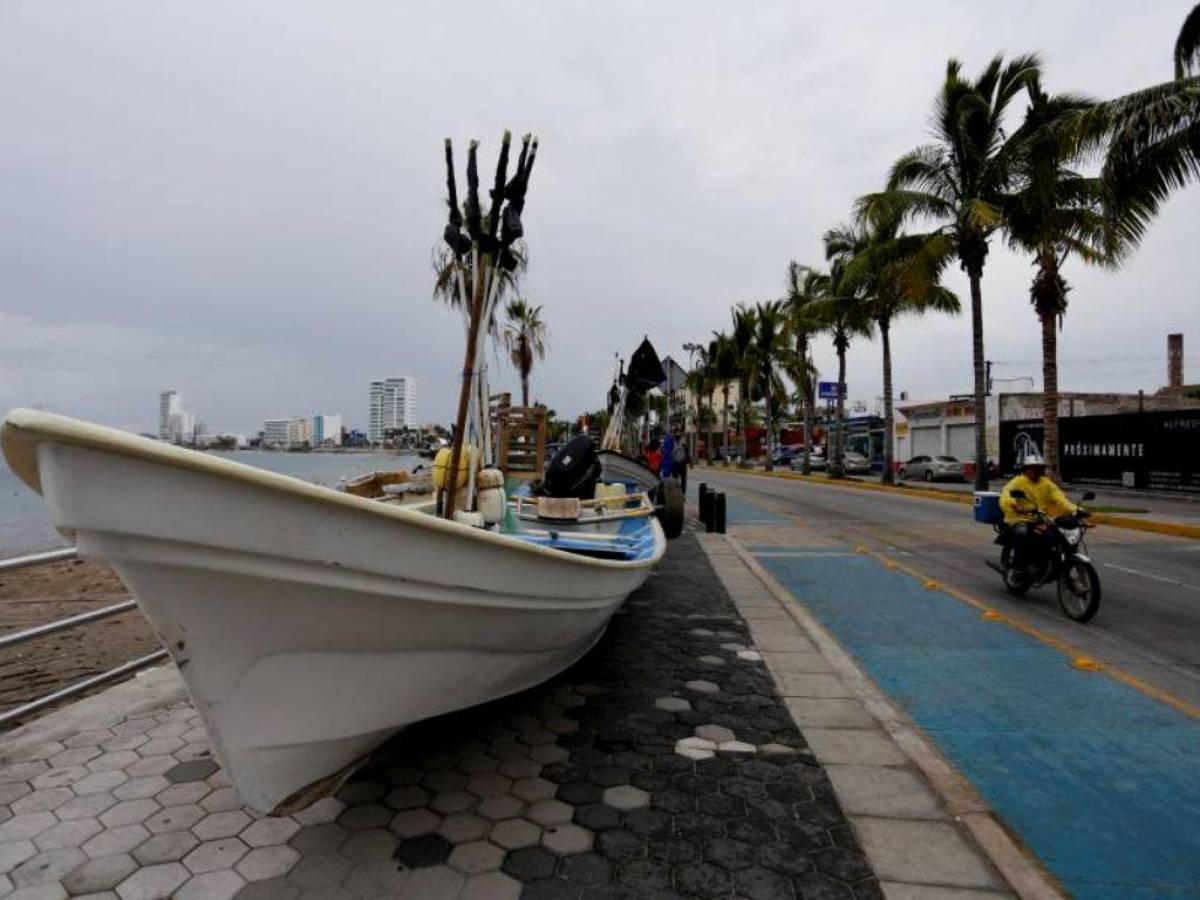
x,y
1079,591
1014,583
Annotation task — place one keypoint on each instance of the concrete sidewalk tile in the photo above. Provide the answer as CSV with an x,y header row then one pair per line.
x,y
894,890
855,747
775,637
764,615
922,852
884,791
828,713
810,684
796,661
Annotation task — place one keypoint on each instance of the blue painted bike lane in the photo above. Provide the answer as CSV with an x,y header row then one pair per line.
x,y
1099,781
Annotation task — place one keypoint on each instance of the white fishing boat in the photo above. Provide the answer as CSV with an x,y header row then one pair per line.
x,y
310,625
619,467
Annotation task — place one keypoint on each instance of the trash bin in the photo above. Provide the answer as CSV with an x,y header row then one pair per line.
x,y
987,508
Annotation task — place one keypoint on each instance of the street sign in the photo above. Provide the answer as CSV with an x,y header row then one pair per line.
x,y
828,390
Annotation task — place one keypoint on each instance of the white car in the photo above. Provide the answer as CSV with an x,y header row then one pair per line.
x,y
932,468
856,463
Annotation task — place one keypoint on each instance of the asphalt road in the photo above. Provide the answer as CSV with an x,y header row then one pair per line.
x,y
1149,619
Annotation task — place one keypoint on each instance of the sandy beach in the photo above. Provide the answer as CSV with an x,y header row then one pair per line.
x,y
43,594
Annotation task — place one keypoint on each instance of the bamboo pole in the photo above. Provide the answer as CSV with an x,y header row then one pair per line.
x,y
464,394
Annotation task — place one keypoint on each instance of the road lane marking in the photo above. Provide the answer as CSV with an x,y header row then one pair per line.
x,y
1152,577
1170,529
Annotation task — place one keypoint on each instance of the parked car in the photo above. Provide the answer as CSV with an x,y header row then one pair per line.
x,y
856,463
785,453
817,462
932,468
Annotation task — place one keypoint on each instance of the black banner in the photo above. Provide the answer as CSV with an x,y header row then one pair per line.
x,y
1015,438
1152,451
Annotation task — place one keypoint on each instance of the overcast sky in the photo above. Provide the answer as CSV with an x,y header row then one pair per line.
x,y
240,201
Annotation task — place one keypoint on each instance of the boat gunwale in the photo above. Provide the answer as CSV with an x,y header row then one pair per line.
x,y
25,429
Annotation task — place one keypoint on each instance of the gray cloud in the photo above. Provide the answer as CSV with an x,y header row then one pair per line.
x,y
241,201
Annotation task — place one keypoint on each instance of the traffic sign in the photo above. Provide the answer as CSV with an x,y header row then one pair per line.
x,y
828,390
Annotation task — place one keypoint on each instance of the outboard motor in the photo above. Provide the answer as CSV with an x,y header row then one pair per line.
x,y
574,470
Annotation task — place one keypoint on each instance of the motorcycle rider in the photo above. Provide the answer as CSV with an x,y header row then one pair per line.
x,y
1029,541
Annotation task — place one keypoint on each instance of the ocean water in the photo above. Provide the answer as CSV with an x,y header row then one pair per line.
x,y
25,525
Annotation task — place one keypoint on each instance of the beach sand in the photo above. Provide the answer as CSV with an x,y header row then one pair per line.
x,y
42,594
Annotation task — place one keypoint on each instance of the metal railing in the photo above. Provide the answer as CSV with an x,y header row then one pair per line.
x,y
37,631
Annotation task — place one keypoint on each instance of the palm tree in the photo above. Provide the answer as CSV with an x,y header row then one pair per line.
x,y
1052,213
958,181
898,275
846,313
742,338
805,287
1150,138
524,338
699,382
724,357
766,354
1187,46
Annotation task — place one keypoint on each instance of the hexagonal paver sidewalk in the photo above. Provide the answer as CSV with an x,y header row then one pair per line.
x,y
663,764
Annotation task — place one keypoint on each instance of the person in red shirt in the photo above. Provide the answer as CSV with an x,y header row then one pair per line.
x,y
654,457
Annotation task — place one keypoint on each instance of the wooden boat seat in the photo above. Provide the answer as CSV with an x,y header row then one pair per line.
x,y
558,509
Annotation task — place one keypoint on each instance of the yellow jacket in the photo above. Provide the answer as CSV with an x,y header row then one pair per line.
x,y
1045,493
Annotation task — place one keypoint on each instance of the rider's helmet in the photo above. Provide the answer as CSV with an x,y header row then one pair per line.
x,y
1033,458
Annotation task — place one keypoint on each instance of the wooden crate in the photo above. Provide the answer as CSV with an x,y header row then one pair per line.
x,y
523,440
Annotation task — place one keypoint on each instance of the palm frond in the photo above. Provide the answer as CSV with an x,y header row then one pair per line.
x,y
1187,45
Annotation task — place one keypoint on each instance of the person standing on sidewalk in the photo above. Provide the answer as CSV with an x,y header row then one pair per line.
x,y
680,461
668,456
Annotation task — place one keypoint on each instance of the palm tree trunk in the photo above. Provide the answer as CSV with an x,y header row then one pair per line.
x,y
1050,392
889,450
809,421
770,464
806,393
837,467
743,392
981,467
725,423
525,389
712,429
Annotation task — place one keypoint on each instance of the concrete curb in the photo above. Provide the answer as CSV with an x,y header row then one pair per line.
x,y
962,800
1171,529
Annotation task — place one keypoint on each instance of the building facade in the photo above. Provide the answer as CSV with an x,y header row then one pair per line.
x,y
169,403
327,430
392,404
287,433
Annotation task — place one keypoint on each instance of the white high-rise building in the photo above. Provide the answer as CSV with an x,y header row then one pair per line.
x,y
287,432
169,403
327,429
181,428
392,404
175,424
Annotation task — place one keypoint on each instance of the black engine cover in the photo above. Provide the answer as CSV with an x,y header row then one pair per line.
x,y
574,470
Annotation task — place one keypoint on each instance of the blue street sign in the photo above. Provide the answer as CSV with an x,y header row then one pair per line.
x,y
828,390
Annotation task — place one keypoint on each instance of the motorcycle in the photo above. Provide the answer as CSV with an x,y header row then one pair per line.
x,y
1064,561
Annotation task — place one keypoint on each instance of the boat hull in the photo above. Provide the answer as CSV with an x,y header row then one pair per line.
x,y
619,467
309,629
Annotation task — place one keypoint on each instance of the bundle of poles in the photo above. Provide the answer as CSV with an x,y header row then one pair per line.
x,y
482,254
